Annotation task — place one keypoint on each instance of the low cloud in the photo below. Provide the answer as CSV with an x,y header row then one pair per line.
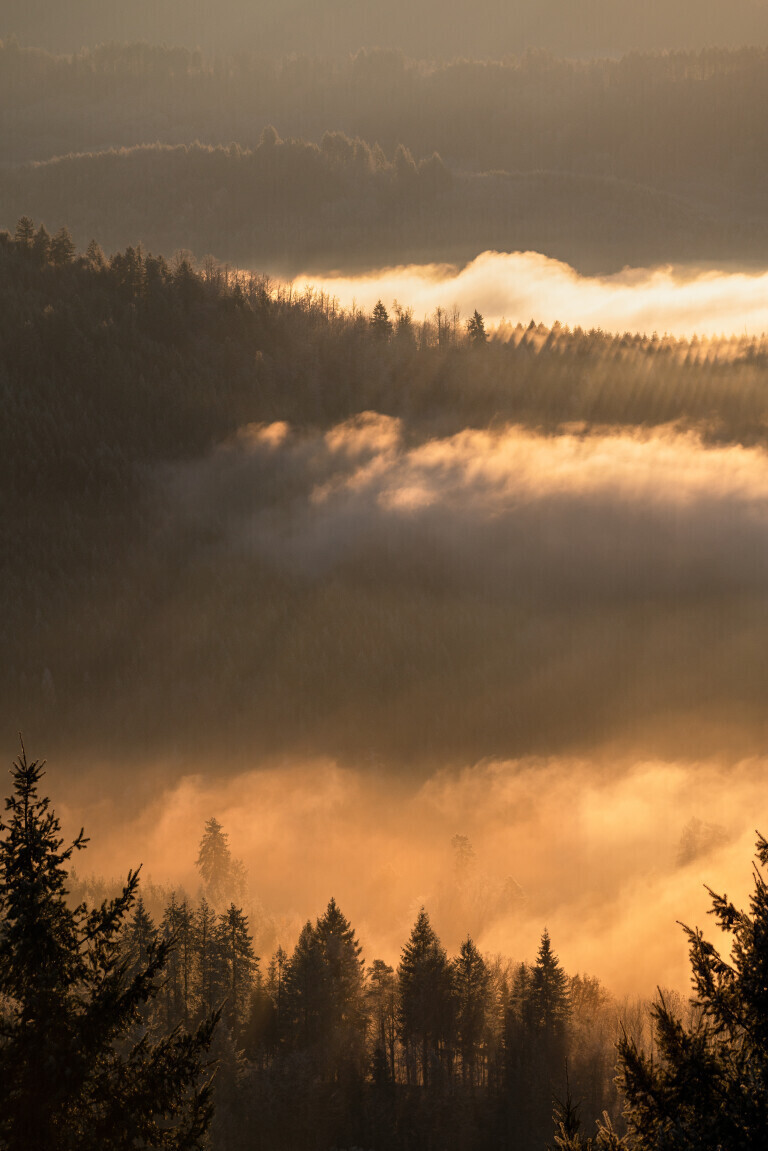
x,y
589,849
520,286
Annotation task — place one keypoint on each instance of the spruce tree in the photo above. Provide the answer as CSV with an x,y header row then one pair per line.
x,y
62,248
472,988
239,964
69,1075
214,860
476,330
549,999
176,997
426,997
139,939
706,1086
381,325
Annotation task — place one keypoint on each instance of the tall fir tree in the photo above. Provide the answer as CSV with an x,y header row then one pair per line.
x,y
426,1009
706,1086
214,861
471,981
69,1074
177,927
239,965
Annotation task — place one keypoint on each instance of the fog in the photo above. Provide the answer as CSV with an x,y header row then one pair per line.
x,y
640,562
607,855
520,286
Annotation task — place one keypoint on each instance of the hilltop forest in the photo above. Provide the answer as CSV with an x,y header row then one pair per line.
x,y
162,424
307,163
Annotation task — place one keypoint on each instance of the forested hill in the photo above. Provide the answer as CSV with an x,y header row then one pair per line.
x,y
380,158
147,589
298,208
451,28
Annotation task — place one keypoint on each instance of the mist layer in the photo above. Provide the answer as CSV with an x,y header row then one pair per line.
x,y
520,286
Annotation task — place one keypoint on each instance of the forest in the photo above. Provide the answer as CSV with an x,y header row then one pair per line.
x,y
137,455
173,1034
402,652
307,163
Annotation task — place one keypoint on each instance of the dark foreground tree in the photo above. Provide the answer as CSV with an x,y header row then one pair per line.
x,y
73,1074
707,1086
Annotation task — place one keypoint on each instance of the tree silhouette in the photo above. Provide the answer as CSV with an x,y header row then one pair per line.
x,y
471,983
707,1085
426,995
214,860
70,1075
476,329
381,325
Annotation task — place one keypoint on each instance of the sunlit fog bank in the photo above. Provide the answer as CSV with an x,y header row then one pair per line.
x,y
607,855
520,286
490,625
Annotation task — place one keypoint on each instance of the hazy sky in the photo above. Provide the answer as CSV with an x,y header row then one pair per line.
x,y
424,27
592,850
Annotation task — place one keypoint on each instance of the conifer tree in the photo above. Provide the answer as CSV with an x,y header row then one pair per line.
x,y
476,330
381,325
41,245
472,984
25,232
223,876
549,1000
238,965
69,1075
304,991
62,248
209,983
426,996
381,997
706,1087
139,939
177,927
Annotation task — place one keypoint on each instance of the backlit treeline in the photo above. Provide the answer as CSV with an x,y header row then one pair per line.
x,y
317,1043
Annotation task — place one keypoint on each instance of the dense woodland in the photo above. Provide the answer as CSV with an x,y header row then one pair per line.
x,y
120,377
306,163
321,1045
244,527
174,1036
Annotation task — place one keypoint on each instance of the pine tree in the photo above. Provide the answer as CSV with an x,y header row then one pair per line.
x,y
343,1013
304,990
41,245
381,325
209,984
706,1086
62,248
476,330
549,1000
139,939
177,927
238,965
214,861
535,1042
425,982
472,985
381,997
25,233
69,1075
